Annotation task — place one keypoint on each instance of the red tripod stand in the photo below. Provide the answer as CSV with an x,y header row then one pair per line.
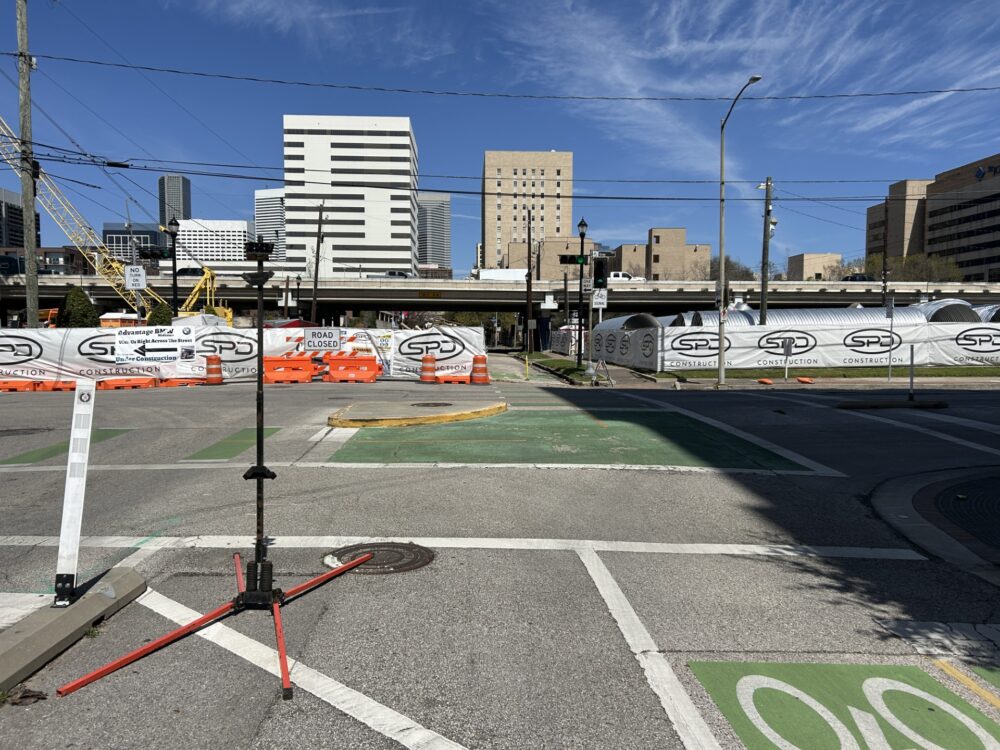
x,y
274,600
257,590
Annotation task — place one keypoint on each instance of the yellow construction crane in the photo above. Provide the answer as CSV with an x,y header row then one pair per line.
x,y
92,247
77,229
206,286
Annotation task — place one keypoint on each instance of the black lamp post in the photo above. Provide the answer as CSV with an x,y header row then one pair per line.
x,y
582,227
173,227
298,288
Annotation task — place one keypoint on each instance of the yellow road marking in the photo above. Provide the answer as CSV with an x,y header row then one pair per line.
x,y
975,687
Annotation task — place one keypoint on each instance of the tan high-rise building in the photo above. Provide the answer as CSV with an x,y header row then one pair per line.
x,y
952,217
516,183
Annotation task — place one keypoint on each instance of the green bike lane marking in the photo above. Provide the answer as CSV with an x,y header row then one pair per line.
x,y
607,437
232,446
51,451
843,707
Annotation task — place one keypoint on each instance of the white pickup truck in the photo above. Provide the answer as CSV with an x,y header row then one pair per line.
x,y
624,276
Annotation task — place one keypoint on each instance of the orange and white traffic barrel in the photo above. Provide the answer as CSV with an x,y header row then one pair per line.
x,y
480,375
428,369
213,369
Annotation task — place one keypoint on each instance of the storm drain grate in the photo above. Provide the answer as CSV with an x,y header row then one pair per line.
x,y
431,404
390,557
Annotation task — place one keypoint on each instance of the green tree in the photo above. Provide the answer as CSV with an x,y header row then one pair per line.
x,y
735,271
78,311
162,315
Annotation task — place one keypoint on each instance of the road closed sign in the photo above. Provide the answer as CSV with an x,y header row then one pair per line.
x,y
154,344
321,339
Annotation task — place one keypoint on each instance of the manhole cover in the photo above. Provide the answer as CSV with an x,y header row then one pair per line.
x,y
431,404
390,557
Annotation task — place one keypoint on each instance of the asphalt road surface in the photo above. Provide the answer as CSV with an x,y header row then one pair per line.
x,y
614,568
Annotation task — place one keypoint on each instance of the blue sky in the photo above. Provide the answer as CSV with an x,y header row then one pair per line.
x,y
624,48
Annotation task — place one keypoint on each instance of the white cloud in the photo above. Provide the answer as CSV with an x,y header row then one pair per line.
x,y
320,23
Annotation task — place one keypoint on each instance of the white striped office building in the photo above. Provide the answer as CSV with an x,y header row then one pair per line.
x,y
363,172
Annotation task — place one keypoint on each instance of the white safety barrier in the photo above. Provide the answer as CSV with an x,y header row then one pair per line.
x,y
696,348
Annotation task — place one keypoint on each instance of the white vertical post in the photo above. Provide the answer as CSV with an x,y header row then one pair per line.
x,y
911,372
73,495
889,311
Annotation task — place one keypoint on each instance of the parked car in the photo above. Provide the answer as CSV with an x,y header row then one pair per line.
x,y
858,277
624,276
395,275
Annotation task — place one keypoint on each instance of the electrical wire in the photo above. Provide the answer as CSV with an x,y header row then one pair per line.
x,y
500,94
58,158
820,218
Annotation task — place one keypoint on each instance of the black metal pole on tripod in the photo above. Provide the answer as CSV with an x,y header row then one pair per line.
x,y
259,572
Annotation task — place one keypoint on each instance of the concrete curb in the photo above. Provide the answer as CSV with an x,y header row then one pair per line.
x,y
340,418
556,373
41,636
893,501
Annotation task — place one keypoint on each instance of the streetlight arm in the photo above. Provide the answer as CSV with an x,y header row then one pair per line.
x,y
752,80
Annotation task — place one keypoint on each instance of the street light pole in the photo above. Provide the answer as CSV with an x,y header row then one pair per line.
x,y
173,227
582,227
722,232
298,298
527,310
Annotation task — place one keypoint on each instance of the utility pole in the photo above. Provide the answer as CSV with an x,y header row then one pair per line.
x,y
885,254
765,262
24,65
319,241
527,309
565,298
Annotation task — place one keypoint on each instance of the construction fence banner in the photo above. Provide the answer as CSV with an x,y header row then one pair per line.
x,y
73,353
453,350
696,348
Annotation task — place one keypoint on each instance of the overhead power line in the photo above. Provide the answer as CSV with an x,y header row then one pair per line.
x,y
82,161
501,94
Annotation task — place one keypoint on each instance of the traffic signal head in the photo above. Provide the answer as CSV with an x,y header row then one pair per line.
x,y
600,273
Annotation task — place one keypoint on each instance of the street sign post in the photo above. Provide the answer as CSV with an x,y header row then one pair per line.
x,y
600,299
321,339
155,344
135,277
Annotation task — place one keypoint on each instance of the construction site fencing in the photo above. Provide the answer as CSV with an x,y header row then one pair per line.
x,y
696,347
67,354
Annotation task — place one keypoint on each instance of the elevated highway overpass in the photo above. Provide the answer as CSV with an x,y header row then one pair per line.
x,y
656,297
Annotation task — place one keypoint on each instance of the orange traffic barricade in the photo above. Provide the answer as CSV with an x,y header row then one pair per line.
x,y
177,382
213,369
354,369
298,369
480,374
428,369
453,377
10,386
125,384
55,385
